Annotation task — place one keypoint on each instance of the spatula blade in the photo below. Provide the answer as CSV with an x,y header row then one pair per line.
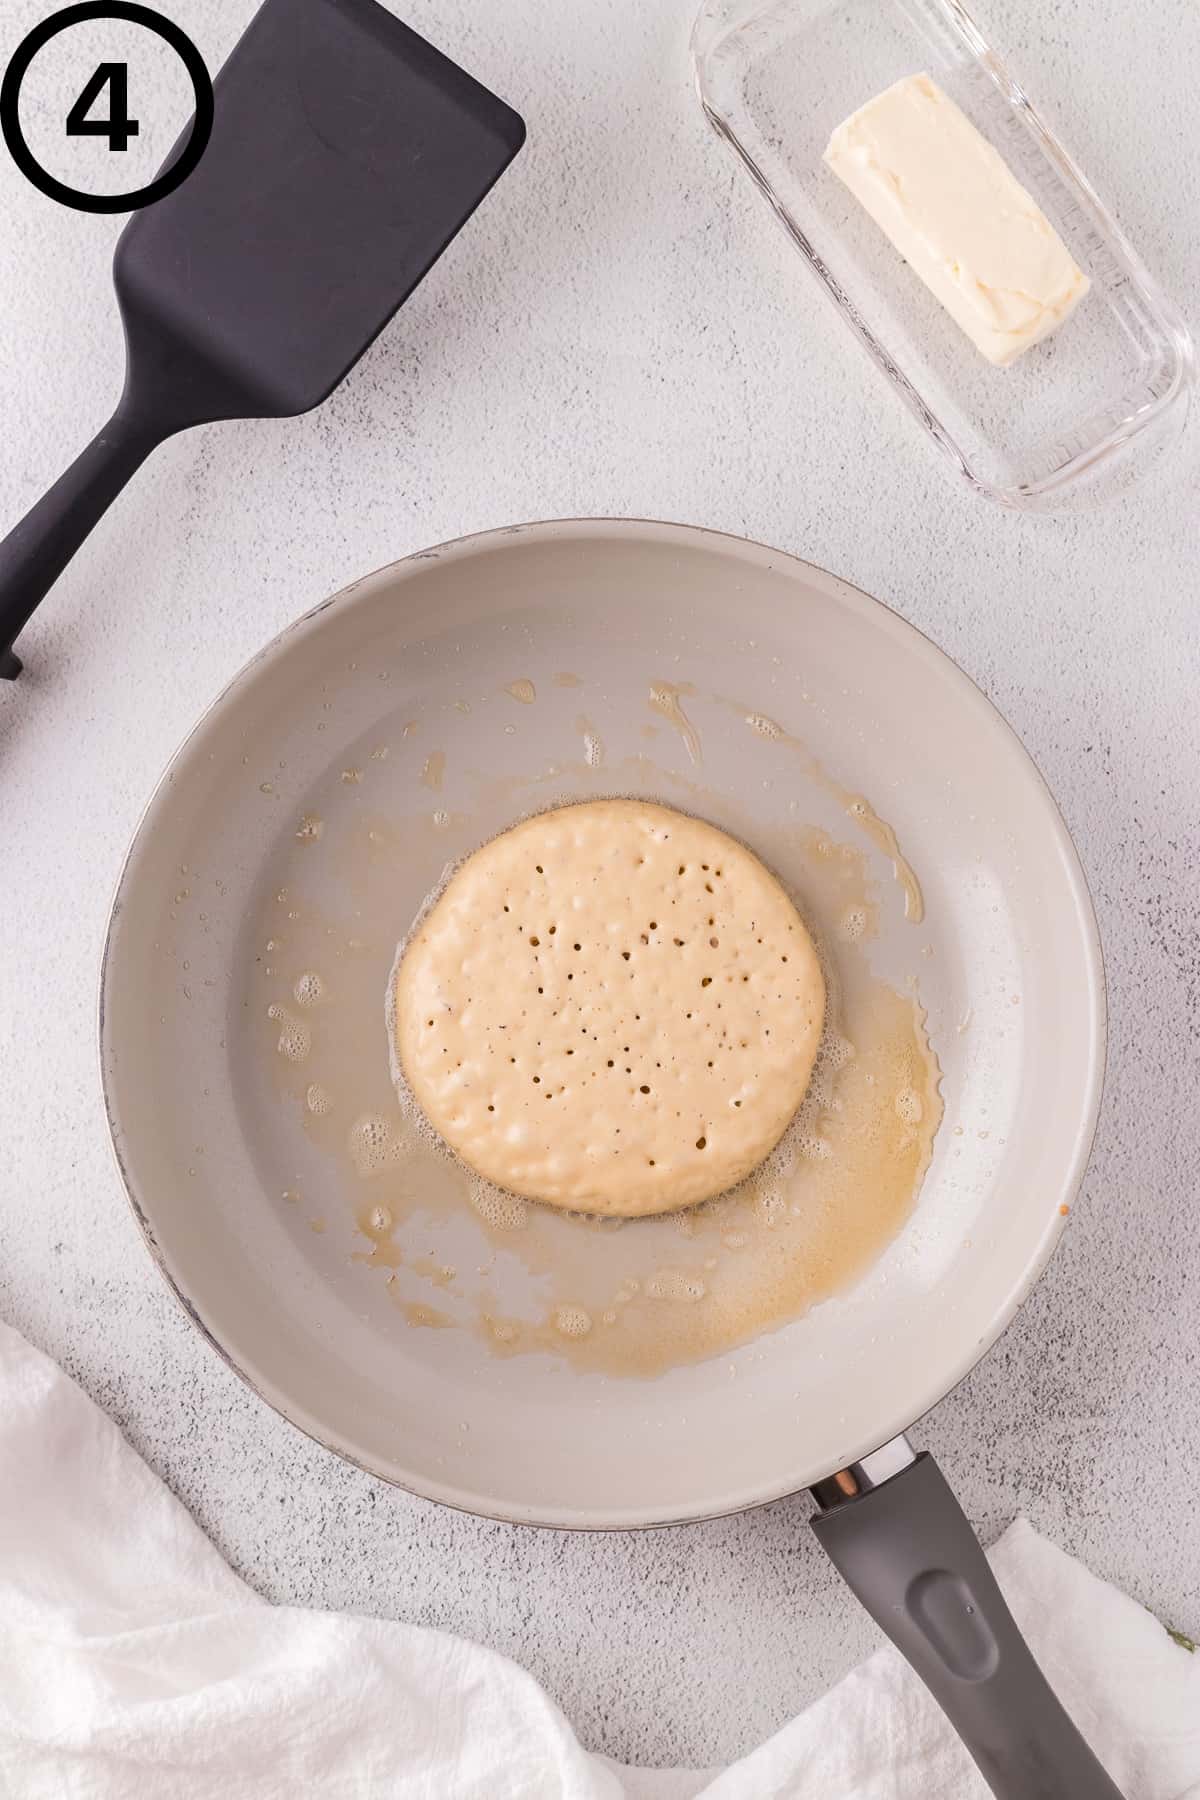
x,y
346,153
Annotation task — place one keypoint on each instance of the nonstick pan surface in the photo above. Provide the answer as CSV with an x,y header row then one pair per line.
x,y
437,701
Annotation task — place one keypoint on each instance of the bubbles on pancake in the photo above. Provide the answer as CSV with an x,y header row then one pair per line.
x,y
310,828
814,1148
605,1222
295,1037
835,1051
308,989
908,1106
503,1212
675,1284
853,924
373,1145
593,748
317,1100
763,726
666,699
572,1321
770,1206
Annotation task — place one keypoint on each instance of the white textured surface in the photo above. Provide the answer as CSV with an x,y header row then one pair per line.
x,y
622,330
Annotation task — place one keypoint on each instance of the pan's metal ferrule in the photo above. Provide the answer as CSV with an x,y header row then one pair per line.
x,y
859,1478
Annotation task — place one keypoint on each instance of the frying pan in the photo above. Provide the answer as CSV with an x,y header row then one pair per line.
x,y
506,661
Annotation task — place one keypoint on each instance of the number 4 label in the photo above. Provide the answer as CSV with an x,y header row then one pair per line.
x,y
118,127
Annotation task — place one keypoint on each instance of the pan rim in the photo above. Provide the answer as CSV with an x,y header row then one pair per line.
x,y
932,1391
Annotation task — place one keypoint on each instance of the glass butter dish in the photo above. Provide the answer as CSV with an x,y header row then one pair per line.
x,y
1076,417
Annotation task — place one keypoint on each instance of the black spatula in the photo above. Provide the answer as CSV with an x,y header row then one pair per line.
x,y
346,152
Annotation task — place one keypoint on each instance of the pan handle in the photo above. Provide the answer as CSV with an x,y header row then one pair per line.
x,y
893,1529
39,546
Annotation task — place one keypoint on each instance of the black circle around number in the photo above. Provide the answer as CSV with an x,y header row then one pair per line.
x,y
168,178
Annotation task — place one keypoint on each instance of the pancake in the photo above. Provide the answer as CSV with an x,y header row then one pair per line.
x,y
612,1008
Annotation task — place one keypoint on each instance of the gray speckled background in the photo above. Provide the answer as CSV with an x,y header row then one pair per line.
x,y
622,330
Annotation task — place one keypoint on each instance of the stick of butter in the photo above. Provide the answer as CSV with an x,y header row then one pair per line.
x,y
955,211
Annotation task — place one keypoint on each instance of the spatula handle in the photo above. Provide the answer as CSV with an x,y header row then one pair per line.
x,y
38,549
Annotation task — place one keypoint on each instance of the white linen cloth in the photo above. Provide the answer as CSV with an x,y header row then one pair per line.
x,y
133,1662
